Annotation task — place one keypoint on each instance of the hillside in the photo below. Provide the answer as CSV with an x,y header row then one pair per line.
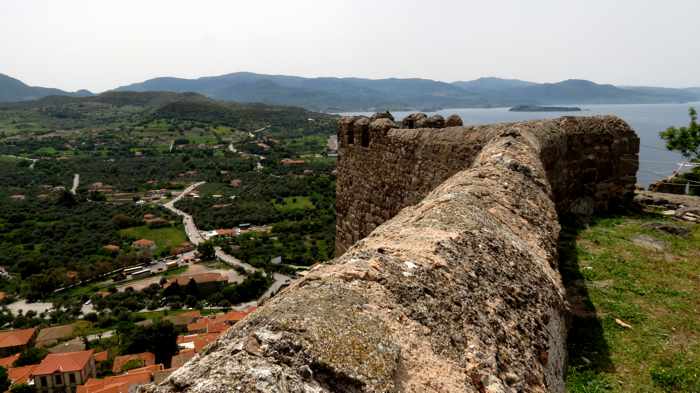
x,y
330,94
319,93
358,94
12,90
491,84
576,91
122,109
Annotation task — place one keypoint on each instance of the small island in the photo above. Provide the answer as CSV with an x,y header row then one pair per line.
x,y
536,108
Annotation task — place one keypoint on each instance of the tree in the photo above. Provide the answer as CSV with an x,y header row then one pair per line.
x,y
159,338
66,199
4,380
206,250
30,356
685,140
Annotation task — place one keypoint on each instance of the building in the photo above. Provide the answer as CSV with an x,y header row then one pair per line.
x,y
7,361
144,244
63,372
200,279
218,323
196,342
144,359
228,232
13,341
20,375
111,248
125,383
290,162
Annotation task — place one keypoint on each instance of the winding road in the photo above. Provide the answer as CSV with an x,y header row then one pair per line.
x,y
33,160
76,183
196,238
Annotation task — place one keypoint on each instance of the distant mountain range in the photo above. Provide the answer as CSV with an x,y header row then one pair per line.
x,y
12,89
357,94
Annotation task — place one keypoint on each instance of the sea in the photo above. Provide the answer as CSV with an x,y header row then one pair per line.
x,y
655,161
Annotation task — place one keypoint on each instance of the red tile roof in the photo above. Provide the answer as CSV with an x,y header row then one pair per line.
x,y
144,243
7,362
116,384
21,374
151,368
200,325
63,362
101,356
15,338
148,359
197,341
204,340
226,232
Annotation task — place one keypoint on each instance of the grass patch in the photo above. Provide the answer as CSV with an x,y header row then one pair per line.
x,y
176,271
165,238
611,275
293,203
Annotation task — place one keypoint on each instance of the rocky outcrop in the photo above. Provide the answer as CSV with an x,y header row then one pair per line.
x,y
458,291
681,207
680,184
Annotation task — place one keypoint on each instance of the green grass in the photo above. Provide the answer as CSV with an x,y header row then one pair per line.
x,y
46,151
165,238
294,203
610,277
217,264
176,271
9,160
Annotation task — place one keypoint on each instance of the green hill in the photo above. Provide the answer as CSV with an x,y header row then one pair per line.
x,y
13,90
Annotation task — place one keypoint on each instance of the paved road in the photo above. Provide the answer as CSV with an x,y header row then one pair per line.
x,y
280,280
76,183
33,160
233,261
190,227
196,238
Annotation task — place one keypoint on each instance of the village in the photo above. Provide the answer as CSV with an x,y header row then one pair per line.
x,y
72,367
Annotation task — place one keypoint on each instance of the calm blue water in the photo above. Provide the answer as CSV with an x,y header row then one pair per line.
x,y
647,120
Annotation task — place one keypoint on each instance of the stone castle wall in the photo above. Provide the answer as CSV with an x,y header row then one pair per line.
x,y
457,290
590,164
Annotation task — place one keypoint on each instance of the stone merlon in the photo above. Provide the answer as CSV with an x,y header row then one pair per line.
x,y
448,278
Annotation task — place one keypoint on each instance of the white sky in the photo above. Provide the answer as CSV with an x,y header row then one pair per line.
x,y
102,44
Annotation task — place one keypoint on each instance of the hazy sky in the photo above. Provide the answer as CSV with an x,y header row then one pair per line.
x,y
101,44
